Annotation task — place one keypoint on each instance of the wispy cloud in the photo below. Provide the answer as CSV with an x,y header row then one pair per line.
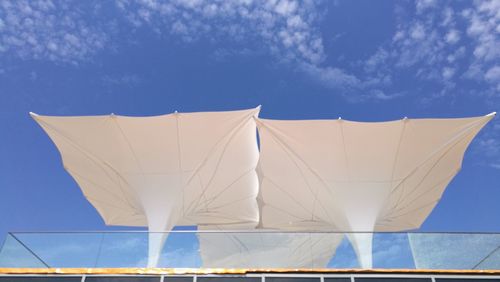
x,y
492,76
286,27
50,30
332,77
379,94
422,42
483,27
121,79
488,146
433,41
438,41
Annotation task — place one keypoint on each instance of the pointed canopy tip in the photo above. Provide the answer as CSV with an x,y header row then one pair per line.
x,y
256,111
492,114
33,115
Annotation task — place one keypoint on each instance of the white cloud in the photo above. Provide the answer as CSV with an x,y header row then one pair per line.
x,y
418,43
488,145
448,73
285,7
332,77
126,80
431,43
417,31
452,36
474,71
380,95
422,5
493,75
483,24
456,55
72,31
377,59
448,18
44,29
225,54
287,29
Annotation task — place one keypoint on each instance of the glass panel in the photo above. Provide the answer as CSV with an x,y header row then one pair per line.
x,y
455,250
254,250
123,250
15,254
64,249
392,250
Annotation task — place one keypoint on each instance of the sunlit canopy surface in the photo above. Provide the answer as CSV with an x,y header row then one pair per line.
x,y
314,175
358,176
161,171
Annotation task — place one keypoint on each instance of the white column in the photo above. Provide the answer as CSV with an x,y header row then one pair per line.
x,y
362,244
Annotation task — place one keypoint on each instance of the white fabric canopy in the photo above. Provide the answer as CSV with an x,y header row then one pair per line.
x,y
358,176
315,175
161,171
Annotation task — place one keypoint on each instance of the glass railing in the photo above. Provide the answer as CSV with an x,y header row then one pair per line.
x,y
255,250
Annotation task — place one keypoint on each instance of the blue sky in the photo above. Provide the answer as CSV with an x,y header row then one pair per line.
x,y
361,60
